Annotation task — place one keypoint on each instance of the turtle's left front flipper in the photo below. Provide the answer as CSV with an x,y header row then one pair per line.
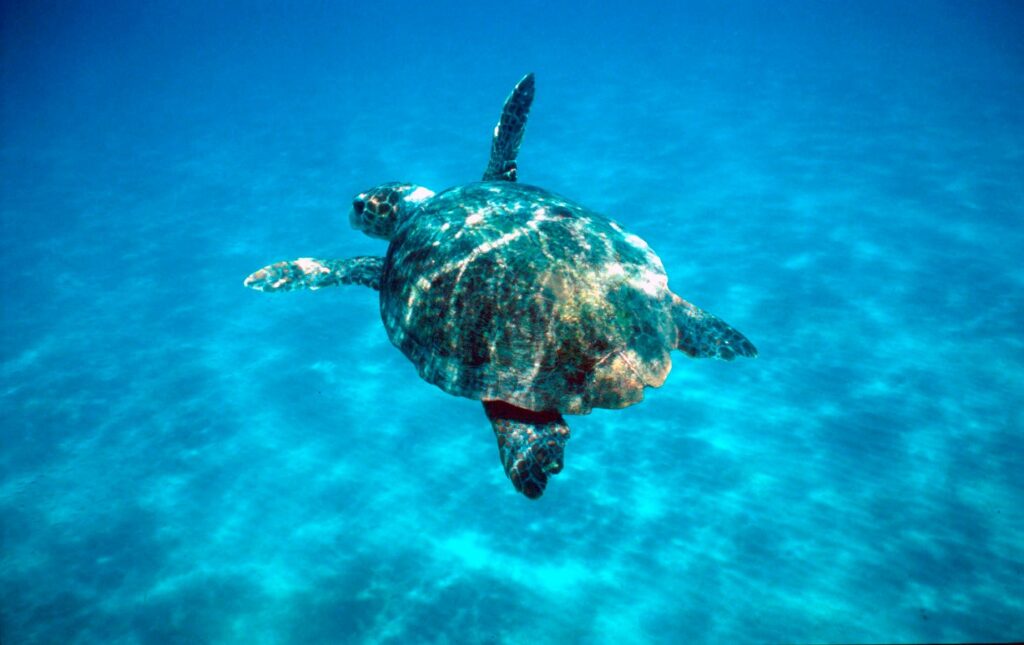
x,y
531,444
310,273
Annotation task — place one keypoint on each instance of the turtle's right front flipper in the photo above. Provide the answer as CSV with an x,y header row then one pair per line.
x,y
310,273
531,444
508,134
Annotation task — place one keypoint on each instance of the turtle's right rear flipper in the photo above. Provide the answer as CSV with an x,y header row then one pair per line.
x,y
531,444
703,335
310,273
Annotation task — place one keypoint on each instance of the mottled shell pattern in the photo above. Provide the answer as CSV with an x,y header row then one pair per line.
x,y
499,290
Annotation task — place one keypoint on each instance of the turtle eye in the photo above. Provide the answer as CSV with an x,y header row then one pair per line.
x,y
358,205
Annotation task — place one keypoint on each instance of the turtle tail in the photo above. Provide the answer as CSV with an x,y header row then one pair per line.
x,y
531,444
704,335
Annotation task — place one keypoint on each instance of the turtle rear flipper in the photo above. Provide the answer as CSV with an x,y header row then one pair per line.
x,y
531,444
704,335
310,273
508,134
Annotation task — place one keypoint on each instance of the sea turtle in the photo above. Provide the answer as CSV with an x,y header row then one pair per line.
x,y
517,297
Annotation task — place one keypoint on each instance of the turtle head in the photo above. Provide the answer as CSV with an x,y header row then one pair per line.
x,y
378,211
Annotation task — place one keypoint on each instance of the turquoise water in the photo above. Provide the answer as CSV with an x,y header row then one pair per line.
x,y
183,460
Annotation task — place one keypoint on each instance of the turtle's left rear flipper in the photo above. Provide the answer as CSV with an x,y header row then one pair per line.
x,y
531,444
310,273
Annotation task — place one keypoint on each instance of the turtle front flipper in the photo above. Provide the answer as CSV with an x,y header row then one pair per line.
x,y
508,134
703,335
310,273
531,444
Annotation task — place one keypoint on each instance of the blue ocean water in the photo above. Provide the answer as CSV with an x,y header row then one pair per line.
x,y
183,460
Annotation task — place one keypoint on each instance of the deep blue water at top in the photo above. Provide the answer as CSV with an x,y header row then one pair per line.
x,y
183,460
